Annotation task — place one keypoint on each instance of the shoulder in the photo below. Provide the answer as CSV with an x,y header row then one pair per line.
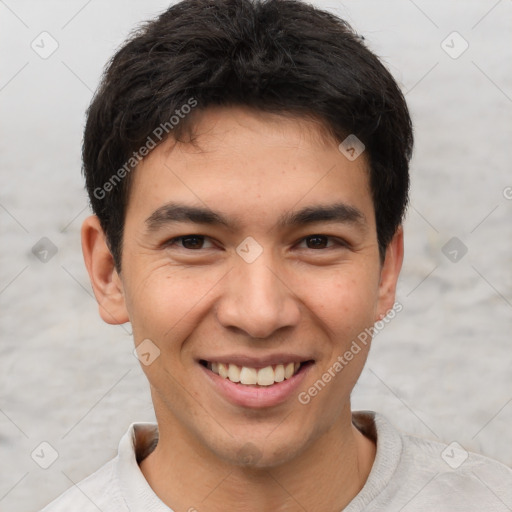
x,y
119,485
99,491
424,475
448,477
453,462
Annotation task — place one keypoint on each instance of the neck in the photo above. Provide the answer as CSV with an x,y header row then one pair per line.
x,y
326,476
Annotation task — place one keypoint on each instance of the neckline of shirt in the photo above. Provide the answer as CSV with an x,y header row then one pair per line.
x,y
138,494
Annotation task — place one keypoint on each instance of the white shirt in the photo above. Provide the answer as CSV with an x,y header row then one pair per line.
x,y
409,474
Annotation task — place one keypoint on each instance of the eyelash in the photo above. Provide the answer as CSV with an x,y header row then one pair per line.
x,y
339,242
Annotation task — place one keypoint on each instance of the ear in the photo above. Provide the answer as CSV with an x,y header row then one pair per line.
x,y
389,273
105,281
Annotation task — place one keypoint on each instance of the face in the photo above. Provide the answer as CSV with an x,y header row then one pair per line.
x,y
252,253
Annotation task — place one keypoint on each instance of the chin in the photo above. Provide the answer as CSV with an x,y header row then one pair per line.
x,y
263,453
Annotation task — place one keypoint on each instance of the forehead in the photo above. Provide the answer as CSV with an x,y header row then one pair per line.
x,y
253,164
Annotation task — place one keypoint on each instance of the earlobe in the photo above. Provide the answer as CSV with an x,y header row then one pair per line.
x,y
105,281
390,272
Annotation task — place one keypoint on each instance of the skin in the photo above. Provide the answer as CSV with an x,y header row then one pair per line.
x,y
301,295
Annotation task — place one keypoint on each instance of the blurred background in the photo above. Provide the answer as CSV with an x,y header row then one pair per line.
x,y
442,368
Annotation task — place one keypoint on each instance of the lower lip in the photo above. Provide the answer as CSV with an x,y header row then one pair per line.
x,y
257,397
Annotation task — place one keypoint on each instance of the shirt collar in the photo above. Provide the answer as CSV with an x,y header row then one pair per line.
x,y
387,457
140,439
136,491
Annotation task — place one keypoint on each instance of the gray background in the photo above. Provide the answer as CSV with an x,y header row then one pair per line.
x,y
441,369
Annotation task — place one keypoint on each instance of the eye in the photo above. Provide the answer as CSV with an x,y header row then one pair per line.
x,y
189,242
321,242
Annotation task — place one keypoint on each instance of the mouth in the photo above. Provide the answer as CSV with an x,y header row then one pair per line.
x,y
267,376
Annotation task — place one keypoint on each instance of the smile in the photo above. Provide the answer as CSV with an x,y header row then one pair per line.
x,y
248,376
257,382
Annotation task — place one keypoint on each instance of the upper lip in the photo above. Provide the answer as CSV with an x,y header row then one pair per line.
x,y
257,362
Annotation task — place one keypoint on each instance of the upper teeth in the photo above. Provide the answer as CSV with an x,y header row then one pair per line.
x,y
263,376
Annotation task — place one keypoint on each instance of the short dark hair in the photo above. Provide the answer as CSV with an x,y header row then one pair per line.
x,y
279,56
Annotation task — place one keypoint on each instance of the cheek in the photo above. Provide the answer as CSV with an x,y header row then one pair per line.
x,y
166,303
345,307
344,300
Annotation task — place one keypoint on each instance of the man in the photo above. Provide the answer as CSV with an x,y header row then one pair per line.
x,y
247,164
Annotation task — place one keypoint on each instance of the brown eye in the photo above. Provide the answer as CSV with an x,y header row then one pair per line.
x,y
190,242
326,242
317,241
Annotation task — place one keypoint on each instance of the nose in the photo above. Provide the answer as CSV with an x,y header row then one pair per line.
x,y
257,300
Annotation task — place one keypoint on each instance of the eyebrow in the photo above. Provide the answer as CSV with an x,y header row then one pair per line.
x,y
171,213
